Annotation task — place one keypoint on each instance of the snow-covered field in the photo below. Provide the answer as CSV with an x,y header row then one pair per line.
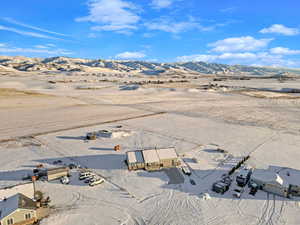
x,y
194,121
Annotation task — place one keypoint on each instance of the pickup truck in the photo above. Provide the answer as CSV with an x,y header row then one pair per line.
x,y
96,181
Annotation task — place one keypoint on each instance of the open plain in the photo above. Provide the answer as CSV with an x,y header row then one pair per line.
x,y
45,117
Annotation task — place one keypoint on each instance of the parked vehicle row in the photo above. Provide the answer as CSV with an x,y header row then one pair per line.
x,y
90,178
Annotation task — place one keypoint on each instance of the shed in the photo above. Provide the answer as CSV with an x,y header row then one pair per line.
x,y
292,176
135,160
56,173
151,158
168,157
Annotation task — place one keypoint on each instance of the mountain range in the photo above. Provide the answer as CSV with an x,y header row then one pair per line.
x,y
26,64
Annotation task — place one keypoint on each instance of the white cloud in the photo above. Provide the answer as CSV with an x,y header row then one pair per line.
x,y
148,35
35,50
92,35
2,45
212,58
12,21
27,33
236,44
228,10
51,45
159,4
196,58
284,51
130,55
280,29
41,46
112,15
249,58
167,25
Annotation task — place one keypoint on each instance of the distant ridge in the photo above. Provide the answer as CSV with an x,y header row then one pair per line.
x,y
20,63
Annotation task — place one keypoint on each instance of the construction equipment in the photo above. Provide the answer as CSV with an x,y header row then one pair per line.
x,y
117,148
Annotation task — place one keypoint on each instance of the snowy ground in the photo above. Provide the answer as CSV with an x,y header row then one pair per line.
x,y
195,122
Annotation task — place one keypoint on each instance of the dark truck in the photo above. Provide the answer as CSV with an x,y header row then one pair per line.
x,y
222,185
243,177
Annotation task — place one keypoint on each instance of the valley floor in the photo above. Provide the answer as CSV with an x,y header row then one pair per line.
x,y
44,122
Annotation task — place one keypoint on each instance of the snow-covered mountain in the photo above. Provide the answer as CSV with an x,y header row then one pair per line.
x,y
20,63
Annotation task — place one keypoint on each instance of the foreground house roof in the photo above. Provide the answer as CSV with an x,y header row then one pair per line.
x,y
11,204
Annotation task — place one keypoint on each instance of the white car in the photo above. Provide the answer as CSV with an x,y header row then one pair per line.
x,y
85,175
90,178
65,180
186,170
96,181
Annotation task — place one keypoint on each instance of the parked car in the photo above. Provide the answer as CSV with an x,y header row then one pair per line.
x,y
237,192
227,180
192,182
90,178
65,180
253,188
84,175
186,170
96,182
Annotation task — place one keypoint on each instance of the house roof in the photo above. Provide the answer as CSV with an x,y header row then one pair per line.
x,y
292,176
135,157
57,170
269,177
150,156
11,204
167,153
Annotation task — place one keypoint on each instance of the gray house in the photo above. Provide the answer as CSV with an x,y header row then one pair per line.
x,y
18,209
21,210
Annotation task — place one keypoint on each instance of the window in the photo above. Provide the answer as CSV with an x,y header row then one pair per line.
x,y
10,221
27,216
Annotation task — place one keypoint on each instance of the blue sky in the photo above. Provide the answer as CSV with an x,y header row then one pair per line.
x,y
252,32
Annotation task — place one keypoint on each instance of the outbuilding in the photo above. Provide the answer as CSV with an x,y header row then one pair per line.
x,y
152,159
135,160
168,157
292,176
270,181
56,173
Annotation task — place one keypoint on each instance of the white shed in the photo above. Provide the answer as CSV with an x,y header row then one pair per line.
x,y
135,160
